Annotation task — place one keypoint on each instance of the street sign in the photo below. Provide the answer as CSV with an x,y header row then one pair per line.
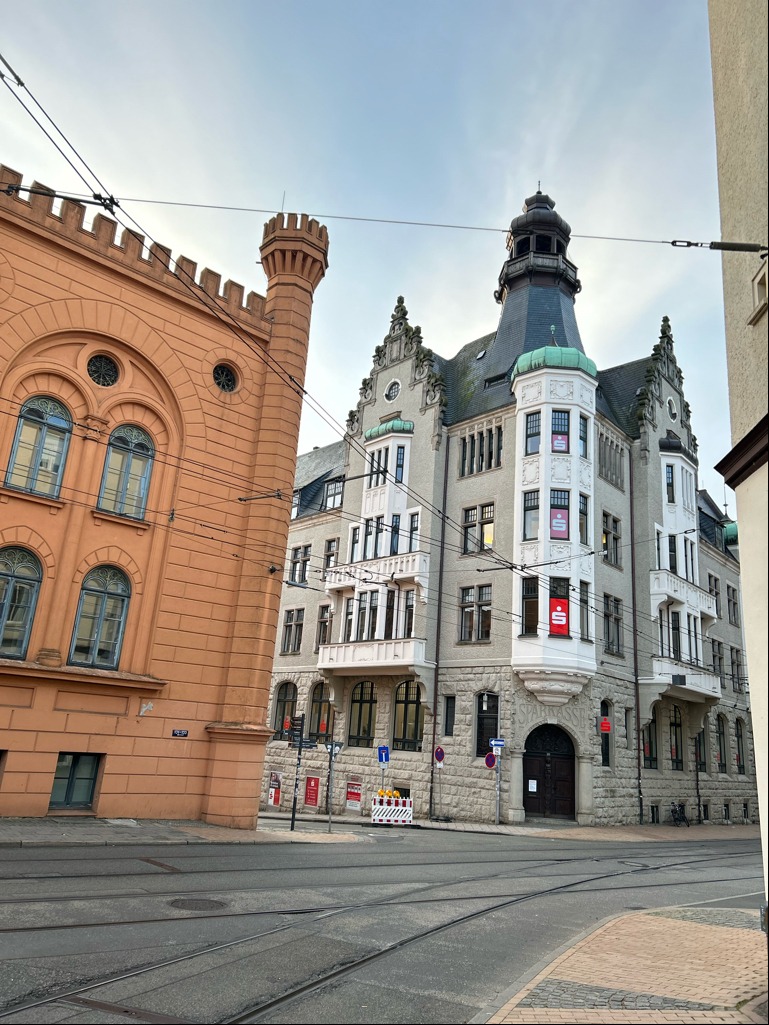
x,y
384,754
491,760
440,754
497,742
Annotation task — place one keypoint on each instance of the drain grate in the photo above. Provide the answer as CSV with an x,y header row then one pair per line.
x,y
192,904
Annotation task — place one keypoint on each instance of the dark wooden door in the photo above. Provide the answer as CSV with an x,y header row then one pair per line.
x,y
548,774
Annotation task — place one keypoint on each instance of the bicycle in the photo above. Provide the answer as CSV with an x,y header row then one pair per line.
x,y
678,814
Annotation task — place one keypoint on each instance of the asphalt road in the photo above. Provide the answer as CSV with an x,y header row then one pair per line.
x,y
401,926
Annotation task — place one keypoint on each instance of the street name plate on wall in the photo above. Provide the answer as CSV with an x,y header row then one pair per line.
x,y
180,733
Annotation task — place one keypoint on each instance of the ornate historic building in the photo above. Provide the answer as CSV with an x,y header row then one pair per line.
x,y
144,407
510,545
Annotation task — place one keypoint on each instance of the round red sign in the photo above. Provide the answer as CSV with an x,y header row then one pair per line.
x,y
491,760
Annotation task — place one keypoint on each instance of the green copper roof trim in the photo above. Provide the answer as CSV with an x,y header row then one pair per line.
x,y
391,427
730,533
554,356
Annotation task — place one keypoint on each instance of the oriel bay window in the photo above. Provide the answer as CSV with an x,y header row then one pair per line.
x,y
409,718
40,447
560,431
362,716
127,472
20,577
101,618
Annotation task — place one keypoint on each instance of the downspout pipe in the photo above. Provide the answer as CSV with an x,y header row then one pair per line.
x,y
438,614
633,583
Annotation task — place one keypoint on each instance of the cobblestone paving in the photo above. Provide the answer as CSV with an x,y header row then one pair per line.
x,y
733,918
556,993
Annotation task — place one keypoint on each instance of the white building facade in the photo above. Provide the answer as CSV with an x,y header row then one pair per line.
x,y
510,545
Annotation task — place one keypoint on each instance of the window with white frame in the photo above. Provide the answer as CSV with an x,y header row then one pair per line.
x,y
334,494
475,613
530,515
293,625
478,528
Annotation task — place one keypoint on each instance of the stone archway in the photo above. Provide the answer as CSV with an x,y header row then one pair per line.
x,y
549,774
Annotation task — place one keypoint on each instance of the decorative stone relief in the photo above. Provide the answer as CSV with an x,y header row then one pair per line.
x,y
529,554
586,567
586,396
585,475
531,393
560,551
561,389
530,471
560,468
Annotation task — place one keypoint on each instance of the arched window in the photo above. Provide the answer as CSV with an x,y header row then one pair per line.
x,y
721,741
20,578
486,722
285,708
40,447
321,713
127,471
676,739
101,618
606,735
739,736
409,717
649,739
362,716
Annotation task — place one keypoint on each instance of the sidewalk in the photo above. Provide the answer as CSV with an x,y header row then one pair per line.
x,y
671,965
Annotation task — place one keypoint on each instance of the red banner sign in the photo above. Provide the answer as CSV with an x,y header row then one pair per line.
x,y
559,525
559,615
311,791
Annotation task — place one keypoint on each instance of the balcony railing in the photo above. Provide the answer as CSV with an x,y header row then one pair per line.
x,y
361,658
686,679
669,587
409,566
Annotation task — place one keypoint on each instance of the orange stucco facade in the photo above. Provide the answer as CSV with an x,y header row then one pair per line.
x,y
147,454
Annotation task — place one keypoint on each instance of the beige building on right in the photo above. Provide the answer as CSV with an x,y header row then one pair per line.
x,y
738,44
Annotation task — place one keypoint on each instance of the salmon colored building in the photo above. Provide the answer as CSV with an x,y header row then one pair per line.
x,y
148,431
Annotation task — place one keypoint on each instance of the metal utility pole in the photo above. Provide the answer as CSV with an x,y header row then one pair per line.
x,y
297,736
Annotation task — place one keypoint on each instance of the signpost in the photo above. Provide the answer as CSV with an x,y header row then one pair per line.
x,y
297,737
383,753
333,748
496,744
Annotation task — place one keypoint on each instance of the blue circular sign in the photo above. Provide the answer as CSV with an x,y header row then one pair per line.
x,y
491,760
440,754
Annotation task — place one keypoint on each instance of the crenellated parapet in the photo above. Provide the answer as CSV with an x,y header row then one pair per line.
x,y
295,246
129,249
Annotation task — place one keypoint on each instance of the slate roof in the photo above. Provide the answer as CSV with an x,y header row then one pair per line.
x,y
313,469
617,396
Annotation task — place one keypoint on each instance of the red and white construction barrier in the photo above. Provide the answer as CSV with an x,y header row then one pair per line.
x,y
392,811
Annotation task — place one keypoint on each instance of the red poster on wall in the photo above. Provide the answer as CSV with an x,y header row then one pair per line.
x,y
560,443
559,615
311,791
559,524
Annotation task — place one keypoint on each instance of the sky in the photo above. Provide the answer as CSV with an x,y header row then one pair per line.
x,y
437,111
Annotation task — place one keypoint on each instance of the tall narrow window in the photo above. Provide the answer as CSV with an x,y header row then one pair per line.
x,y
449,714
127,472
408,614
101,618
700,751
606,736
529,605
400,463
739,736
733,605
354,544
533,431
611,540
670,483
362,716
321,713
583,520
560,431
673,553
395,534
349,619
612,624
714,588
414,532
360,630
390,615
530,515
368,538
584,610
324,626
676,739
20,577
285,708
378,536
40,447
721,742
675,635
487,722
717,649
583,437
330,553
649,740
409,718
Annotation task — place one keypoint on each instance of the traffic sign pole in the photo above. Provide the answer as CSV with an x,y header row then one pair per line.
x,y
498,753
297,729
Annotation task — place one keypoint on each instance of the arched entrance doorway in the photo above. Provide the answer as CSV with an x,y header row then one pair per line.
x,y
548,773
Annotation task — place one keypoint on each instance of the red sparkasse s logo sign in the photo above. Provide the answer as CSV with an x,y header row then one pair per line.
x,y
559,615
